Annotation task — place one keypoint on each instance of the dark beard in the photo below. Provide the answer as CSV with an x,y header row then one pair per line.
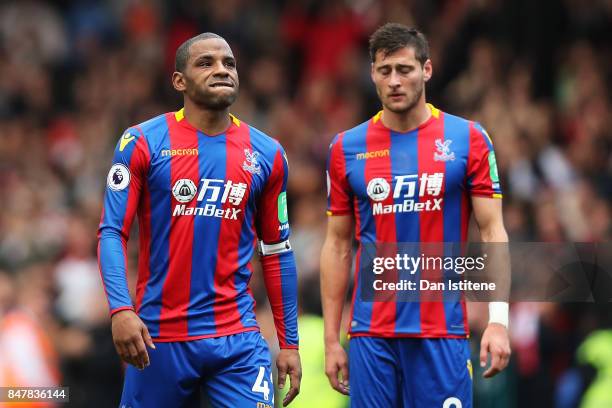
x,y
213,102
411,104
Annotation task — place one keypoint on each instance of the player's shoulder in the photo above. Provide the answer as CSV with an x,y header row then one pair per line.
x,y
149,127
460,128
354,135
454,121
454,118
262,141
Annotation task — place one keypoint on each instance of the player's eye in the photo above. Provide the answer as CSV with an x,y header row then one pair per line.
x,y
230,63
385,70
405,70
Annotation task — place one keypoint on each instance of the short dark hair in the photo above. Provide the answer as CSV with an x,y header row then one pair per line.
x,y
182,52
393,36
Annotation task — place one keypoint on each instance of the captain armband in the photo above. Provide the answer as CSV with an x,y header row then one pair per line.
x,y
272,249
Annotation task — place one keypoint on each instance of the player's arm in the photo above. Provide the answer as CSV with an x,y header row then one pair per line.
x,y
336,263
335,273
488,215
280,272
123,189
487,206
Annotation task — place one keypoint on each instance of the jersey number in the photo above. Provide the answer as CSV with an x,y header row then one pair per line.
x,y
261,385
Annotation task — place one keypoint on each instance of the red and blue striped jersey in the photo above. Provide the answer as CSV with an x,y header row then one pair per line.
x,y
411,187
201,202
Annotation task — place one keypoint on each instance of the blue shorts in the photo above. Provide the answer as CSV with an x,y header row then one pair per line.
x,y
230,371
410,373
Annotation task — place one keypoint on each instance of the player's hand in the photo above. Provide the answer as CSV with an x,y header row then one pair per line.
x,y
288,362
495,341
130,336
336,362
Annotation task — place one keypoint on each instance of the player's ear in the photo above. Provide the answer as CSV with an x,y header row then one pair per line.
x,y
427,70
372,71
178,81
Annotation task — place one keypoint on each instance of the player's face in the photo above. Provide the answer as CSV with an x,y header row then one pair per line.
x,y
210,77
400,79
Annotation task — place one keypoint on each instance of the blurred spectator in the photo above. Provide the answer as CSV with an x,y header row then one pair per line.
x,y
29,355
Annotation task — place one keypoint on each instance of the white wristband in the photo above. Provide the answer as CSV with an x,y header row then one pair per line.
x,y
498,313
271,249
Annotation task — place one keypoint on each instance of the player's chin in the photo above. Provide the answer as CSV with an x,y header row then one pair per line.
x,y
221,100
398,106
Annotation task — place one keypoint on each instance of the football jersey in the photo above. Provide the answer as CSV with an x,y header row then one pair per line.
x,y
411,187
202,201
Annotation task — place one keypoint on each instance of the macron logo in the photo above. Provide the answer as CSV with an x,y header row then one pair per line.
x,y
179,152
372,155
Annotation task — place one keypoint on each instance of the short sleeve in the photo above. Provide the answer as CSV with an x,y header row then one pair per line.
x,y
339,196
483,178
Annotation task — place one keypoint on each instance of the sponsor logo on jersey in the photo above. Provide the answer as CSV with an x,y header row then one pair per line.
x,y
427,198
250,163
372,155
125,140
213,193
179,152
184,190
118,177
378,189
444,154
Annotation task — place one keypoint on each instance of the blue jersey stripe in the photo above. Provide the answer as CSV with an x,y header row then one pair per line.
x,y
355,141
404,161
457,130
150,309
242,276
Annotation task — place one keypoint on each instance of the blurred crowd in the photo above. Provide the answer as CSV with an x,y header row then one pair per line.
x,y
75,74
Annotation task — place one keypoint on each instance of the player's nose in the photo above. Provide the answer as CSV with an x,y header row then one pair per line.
x,y
221,70
394,80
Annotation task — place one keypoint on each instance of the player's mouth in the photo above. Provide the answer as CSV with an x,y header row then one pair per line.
x,y
219,84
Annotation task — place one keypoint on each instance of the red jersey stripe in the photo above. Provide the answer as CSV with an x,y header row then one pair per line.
x,y
384,308
176,288
227,316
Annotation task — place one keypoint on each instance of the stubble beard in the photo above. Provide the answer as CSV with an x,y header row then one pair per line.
x,y
410,104
210,101
214,102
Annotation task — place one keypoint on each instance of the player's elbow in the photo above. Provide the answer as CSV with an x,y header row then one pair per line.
x,y
110,233
494,232
334,248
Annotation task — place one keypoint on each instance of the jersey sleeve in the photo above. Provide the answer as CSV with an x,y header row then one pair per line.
x,y
124,184
273,220
482,176
339,196
279,269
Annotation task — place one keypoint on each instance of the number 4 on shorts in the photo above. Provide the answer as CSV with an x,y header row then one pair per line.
x,y
261,385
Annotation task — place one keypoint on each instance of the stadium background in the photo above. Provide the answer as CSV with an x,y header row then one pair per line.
x,y
74,74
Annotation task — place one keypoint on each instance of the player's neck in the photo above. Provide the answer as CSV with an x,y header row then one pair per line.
x,y
406,121
210,122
